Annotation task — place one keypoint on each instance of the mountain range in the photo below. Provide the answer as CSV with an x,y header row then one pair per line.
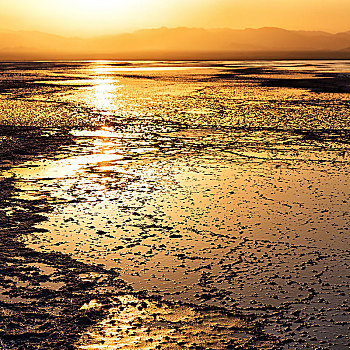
x,y
179,43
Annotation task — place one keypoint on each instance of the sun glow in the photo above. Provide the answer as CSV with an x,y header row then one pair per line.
x,y
104,87
86,17
94,8
99,17
103,91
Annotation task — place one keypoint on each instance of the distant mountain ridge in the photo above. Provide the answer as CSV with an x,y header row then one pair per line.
x,y
177,43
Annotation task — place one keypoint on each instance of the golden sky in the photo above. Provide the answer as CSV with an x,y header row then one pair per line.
x,y
97,17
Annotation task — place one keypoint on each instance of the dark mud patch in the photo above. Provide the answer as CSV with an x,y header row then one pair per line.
x,y
239,72
18,144
333,84
309,80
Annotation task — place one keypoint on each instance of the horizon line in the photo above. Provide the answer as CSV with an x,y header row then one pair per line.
x,y
168,27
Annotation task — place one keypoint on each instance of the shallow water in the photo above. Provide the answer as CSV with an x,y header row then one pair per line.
x,y
196,181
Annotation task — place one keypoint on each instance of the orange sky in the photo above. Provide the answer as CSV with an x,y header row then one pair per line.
x,y
97,17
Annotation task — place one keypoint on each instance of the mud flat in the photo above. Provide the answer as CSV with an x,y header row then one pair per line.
x,y
52,300
187,207
41,294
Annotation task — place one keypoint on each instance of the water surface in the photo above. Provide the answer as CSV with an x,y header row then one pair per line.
x,y
218,184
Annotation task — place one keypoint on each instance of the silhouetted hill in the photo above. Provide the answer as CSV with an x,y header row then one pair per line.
x,y
178,43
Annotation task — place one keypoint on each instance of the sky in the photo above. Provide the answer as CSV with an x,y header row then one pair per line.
x,y
86,18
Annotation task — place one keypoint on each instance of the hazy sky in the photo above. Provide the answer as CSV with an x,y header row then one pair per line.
x,y
96,17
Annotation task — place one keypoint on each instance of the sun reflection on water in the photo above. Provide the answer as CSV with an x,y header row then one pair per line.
x,y
105,87
62,168
134,323
104,132
103,93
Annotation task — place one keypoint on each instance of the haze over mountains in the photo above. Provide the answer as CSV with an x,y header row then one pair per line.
x,y
178,43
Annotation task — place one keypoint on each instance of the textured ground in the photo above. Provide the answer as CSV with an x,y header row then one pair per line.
x,y
174,207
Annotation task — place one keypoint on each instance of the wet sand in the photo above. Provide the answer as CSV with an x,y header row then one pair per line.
x,y
174,208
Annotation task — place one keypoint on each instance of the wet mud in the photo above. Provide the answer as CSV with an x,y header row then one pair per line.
x,y
50,299
41,294
164,205
320,82
333,84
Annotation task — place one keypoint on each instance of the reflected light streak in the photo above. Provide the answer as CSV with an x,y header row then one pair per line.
x,y
60,168
103,89
106,69
105,132
134,323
